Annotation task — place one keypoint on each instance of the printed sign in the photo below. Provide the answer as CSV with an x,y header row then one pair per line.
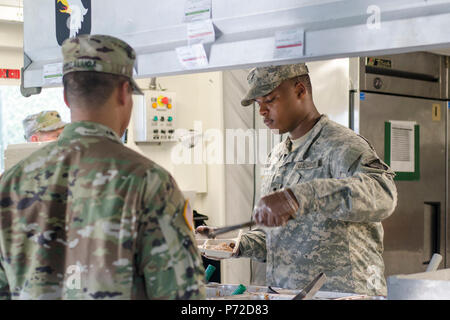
x,y
192,57
9,74
289,43
73,17
201,32
378,62
53,73
197,10
402,146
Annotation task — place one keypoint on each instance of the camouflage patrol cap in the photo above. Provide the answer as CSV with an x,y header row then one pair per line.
x,y
43,121
264,80
99,53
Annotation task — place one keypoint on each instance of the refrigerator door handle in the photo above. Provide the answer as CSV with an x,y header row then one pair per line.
x,y
432,230
351,109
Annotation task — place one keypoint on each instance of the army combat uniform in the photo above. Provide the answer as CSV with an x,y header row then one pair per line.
x,y
87,218
344,191
88,204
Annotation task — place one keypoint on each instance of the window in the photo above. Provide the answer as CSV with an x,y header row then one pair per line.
x,y
14,108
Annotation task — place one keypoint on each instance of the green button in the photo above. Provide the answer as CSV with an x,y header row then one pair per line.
x,y
155,118
170,119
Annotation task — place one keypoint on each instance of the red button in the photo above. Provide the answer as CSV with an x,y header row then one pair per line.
x,y
165,100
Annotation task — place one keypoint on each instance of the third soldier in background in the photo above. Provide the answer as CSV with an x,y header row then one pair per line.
x,y
43,126
86,217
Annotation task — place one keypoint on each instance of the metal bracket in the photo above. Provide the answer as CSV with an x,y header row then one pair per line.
x,y
27,92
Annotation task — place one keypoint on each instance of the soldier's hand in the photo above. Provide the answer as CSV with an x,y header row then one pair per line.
x,y
204,230
276,209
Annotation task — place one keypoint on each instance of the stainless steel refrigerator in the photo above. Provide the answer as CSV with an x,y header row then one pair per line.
x,y
411,88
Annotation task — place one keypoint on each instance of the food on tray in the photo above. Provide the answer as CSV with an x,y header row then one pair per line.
x,y
224,247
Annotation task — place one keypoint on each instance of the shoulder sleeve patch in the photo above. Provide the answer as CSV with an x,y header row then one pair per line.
x,y
188,215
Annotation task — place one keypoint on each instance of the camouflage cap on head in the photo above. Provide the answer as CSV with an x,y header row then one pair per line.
x,y
264,80
99,53
43,121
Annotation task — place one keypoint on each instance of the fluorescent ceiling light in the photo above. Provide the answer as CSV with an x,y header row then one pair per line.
x,y
11,13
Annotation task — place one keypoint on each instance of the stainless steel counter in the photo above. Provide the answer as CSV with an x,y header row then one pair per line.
x,y
216,291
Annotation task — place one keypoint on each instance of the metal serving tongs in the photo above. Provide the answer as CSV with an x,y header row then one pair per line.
x,y
218,231
311,289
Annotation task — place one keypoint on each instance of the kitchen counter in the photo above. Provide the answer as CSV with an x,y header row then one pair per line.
x,y
216,291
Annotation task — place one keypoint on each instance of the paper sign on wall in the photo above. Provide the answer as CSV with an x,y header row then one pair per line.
x,y
197,10
192,57
201,32
53,73
402,146
289,43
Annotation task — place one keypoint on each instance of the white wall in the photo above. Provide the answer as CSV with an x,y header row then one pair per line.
x,y
331,84
198,98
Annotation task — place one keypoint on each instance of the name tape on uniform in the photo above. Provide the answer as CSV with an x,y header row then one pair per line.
x,y
289,43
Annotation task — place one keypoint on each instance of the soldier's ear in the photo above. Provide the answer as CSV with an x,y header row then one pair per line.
x,y
65,99
300,89
34,138
124,90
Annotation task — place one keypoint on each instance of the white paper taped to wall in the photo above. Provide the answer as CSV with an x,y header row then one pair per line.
x,y
402,146
192,57
52,73
289,43
197,10
201,32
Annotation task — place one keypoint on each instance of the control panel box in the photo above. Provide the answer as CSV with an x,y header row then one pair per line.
x,y
155,117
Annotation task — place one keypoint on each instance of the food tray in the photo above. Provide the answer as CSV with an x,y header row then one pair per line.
x,y
206,247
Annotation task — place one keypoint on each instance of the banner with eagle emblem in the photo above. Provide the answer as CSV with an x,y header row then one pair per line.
x,y
73,17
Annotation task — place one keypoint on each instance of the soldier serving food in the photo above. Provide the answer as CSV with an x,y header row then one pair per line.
x,y
87,218
325,192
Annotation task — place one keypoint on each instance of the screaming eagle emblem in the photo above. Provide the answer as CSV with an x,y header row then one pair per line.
x,y
73,17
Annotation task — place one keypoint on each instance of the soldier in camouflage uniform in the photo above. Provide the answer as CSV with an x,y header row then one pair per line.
x,y
325,193
341,191
87,218
43,126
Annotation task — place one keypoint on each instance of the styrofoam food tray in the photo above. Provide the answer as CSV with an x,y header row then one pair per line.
x,y
205,246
